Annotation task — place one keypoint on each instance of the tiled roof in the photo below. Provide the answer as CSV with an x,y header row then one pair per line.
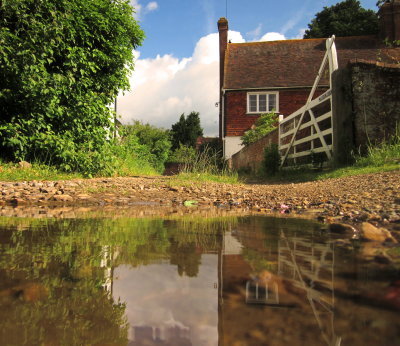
x,y
295,63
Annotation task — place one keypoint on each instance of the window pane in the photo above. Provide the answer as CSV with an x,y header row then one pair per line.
x,y
272,102
262,103
253,103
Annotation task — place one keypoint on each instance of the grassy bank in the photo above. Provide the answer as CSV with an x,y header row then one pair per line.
x,y
381,158
207,167
13,172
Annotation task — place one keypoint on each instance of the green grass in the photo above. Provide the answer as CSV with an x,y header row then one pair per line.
x,y
303,175
131,166
11,172
206,168
187,177
381,158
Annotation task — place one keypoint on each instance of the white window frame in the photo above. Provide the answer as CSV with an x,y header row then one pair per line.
x,y
276,109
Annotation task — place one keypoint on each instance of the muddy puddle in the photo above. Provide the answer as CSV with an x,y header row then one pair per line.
x,y
190,280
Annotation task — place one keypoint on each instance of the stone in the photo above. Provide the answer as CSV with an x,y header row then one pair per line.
x,y
342,228
24,164
382,259
17,201
371,233
62,198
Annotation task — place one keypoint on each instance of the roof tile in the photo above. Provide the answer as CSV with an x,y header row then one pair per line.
x,y
295,63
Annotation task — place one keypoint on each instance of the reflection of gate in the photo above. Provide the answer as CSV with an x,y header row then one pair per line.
x,y
308,131
311,267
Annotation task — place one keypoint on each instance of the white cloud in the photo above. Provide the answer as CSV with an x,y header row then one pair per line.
x,y
296,18
300,33
137,8
255,34
140,10
165,87
151,6
273,36
209,15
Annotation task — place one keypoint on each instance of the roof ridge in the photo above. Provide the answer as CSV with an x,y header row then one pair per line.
x,y
303,40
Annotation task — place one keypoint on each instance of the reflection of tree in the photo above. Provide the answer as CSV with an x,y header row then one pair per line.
x,y
53,273
53,291
185,257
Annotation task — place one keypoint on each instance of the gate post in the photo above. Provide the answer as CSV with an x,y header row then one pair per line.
x,y
342,117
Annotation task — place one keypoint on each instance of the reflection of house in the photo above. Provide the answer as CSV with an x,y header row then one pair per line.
x,y
260,77
291,273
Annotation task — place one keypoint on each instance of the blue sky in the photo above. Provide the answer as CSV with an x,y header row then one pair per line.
x,y
177,65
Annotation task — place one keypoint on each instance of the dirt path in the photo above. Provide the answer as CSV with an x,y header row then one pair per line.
x,y
372,197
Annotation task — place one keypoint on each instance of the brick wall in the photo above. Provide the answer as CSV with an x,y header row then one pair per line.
x,y
237,121
251,156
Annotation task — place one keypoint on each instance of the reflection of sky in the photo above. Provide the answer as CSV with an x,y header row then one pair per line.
x,y
156,296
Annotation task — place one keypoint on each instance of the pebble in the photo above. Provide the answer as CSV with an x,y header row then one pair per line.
x,y
358,199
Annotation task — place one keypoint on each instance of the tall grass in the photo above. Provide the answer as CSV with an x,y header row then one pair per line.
x,y
12,172
208,165
379,158
387,153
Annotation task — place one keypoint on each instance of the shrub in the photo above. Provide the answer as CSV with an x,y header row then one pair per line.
x,y
147,142
62,63
183,154
263,125
272,159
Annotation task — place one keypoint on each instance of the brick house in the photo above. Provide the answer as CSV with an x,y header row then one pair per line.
x,y
259,77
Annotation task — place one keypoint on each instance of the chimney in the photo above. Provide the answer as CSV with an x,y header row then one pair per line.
x,y
389,20
223,43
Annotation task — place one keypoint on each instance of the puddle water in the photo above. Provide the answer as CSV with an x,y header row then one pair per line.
x,y
190,281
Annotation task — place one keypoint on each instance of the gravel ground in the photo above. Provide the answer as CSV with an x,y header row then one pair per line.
x,y
371,197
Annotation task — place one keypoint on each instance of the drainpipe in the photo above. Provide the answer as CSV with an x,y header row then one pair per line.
x,y
222,121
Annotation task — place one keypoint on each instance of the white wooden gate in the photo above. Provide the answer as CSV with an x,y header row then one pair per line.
x,y
308,131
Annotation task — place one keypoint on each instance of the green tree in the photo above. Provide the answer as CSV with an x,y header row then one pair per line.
x,y
186,130
263,125
346,18
149,142
62,63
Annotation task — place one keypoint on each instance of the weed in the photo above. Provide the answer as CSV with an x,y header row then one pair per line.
x,y
12,172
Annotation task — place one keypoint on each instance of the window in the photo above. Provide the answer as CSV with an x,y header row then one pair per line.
x,y
262,102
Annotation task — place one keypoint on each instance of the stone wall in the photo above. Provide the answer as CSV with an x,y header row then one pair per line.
x,y
251,156
366,106
376,101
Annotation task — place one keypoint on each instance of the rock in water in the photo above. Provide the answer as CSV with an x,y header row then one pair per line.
x,y
371,233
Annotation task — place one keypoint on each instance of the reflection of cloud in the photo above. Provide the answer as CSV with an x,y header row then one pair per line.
x,y
148,335
173,305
